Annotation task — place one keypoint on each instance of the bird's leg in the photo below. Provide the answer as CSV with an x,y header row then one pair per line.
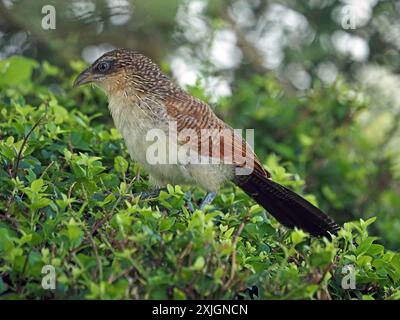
x,y
208,199
188,198
154,193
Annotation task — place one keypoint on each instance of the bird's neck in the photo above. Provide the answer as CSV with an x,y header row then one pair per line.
x,y
122,105
135,108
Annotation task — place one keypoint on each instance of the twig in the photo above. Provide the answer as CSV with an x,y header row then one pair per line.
x,y
14,222
46,169
233,262
113,278
24,142
98,224
96,252
326,270
69,195
185,251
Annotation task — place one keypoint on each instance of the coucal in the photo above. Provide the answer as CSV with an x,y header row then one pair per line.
x,y
141,98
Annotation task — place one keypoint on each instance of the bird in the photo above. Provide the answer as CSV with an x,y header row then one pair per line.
x,y
143,100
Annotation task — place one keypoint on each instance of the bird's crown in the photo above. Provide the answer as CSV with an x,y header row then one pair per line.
x,y
124,68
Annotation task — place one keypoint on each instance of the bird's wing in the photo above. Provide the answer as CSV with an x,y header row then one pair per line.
x,y
213,136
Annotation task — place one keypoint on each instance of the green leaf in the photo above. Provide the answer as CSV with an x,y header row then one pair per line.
x,y
199,263
120,164
3,286
179,295
298,236
36,186
16,70
229,232
166,223
74,233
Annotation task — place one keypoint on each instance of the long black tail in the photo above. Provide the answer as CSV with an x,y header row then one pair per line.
x,y
287,207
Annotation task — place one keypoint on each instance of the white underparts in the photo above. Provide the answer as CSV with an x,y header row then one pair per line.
x,y
134,117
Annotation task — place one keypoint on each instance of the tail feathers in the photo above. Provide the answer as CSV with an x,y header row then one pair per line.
x,y
287,207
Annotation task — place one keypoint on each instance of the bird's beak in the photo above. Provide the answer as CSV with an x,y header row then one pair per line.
x,y
85,76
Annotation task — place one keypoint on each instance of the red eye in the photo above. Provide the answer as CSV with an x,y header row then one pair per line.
x,y
103,66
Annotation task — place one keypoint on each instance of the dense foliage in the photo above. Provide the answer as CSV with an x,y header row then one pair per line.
x,y
71,198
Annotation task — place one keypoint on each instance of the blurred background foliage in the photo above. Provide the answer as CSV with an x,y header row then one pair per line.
x,y
322,97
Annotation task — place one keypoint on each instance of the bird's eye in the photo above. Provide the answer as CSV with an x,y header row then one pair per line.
x,y
103,66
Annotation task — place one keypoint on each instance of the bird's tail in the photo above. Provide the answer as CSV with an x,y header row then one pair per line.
x,y
286,206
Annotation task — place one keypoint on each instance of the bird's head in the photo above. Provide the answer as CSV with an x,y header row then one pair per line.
x,y
124,70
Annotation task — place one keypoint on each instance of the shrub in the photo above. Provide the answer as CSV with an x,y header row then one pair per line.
x,y
71,198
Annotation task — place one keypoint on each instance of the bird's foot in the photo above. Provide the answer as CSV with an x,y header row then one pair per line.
x,y
188,198
152,194
207,200
149,195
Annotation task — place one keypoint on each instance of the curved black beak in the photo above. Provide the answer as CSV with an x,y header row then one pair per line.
x,y
85,76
